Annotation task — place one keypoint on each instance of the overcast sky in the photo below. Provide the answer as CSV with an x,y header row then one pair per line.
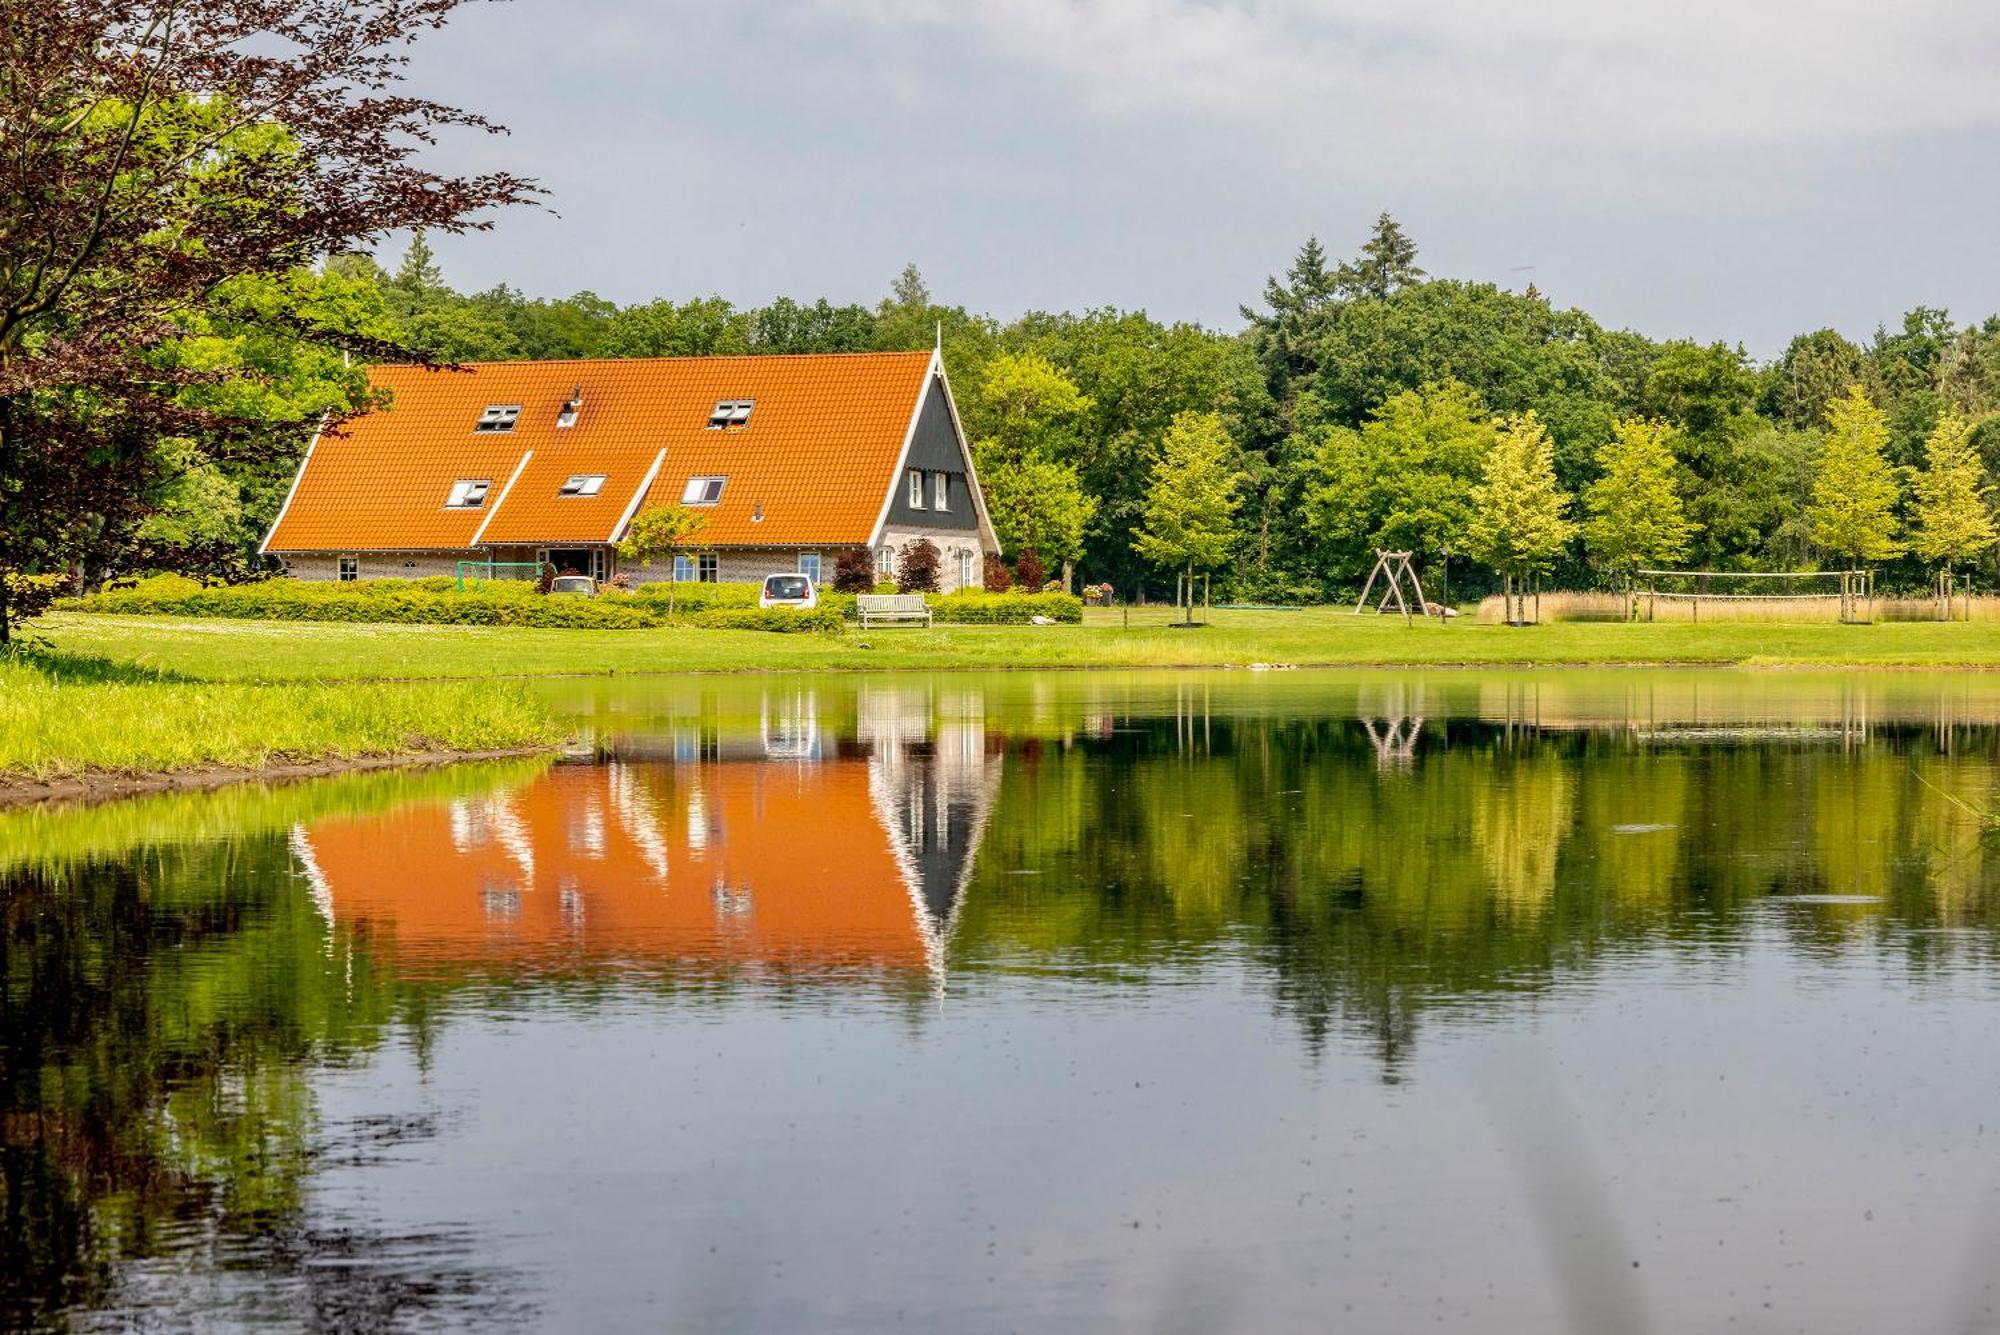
x,y
1734,169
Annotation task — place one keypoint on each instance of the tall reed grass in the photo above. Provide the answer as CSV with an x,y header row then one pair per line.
x,y
1598,606
68,717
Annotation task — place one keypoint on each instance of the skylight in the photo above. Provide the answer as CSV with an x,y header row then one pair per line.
x,y
467,494
571,407
498,417
583,484
731,413
703,491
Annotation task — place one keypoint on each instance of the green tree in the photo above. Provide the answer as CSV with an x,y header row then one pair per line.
x,y
1855,493
1033,490
1953,522
657,532
1190,518
1815,369
419,272
1518,524
1387,262
1636,515
1404,480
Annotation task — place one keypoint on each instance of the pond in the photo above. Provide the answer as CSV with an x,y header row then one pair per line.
x,y
1069,1002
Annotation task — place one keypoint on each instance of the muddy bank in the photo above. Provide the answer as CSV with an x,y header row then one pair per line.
x,y
16,790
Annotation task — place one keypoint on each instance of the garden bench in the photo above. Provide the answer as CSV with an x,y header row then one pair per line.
x,y
891,608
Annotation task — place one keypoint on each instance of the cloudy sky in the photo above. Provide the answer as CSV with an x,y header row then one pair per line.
x,y
1737,169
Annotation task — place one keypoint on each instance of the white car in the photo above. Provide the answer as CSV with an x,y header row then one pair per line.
x,y
788,591
575,586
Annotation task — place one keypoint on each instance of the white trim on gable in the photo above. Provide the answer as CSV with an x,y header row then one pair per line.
x,y
505,491
965,448
896,475
632,506
297,478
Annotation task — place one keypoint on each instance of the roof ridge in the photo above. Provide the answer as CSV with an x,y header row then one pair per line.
x,y
924,353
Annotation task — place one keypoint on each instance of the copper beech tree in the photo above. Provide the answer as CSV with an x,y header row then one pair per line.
x,y
162,163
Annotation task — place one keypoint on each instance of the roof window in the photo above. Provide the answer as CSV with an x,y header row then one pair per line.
x,y
468,494
731,413
498,417
703,491
583,484
570,409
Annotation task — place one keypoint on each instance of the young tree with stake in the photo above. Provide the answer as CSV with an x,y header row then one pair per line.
x,y
1855,492
1954,523
658,532
1518,525
1636,515
1190,514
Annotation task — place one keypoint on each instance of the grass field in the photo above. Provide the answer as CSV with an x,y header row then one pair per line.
x,y
272,651
63,718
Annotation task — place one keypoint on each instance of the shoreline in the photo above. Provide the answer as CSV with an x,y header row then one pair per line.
x,y
106,786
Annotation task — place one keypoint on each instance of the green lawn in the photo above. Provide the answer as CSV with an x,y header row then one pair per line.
x,y
63,719
281,651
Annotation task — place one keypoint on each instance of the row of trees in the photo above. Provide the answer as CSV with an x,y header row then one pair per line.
x,y
186,290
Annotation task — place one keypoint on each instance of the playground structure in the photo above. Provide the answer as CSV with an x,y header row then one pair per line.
x,y
1396,571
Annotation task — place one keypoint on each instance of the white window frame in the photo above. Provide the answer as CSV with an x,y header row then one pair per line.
x,y
965,571
941,492
731,414
498,418
462,497
346,569
697,489
885,562
582,484
916,488
810,571
683,568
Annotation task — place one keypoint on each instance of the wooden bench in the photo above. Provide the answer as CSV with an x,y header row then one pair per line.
x,y
890,609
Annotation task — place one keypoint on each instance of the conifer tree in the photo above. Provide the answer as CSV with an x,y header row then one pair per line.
x,y
1518,524
1636,515
1388,261
1190,515
1953,524
1855,492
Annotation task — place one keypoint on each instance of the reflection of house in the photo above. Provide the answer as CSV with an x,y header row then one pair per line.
x,y
802,864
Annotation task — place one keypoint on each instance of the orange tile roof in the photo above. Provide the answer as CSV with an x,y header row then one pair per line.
x,y
817,457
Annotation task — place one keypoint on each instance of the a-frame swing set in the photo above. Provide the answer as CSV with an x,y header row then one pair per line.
x,y
1397,569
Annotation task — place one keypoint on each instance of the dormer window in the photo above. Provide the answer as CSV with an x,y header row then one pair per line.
x,y
730,414
498,417
703,491
583,484
467,494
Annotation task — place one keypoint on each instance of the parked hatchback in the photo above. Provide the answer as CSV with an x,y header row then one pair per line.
x,y
574,586
788,591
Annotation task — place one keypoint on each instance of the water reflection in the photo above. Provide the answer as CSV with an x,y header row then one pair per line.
x,y
225,1013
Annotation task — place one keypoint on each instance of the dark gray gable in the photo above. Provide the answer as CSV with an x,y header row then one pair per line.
x,y
935,448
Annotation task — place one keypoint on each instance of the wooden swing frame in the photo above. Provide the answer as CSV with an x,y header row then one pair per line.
x,y
1397,567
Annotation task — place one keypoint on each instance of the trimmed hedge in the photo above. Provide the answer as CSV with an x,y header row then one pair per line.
x,y
1004,609
435,601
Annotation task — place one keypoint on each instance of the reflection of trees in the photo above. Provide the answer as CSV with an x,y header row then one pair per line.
x,y
1498,860
161,1018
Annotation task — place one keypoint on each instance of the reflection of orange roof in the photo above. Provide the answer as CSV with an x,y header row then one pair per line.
x,y
775,864
818,453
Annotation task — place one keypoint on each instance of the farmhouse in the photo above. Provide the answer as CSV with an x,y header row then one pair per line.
x,y
792,458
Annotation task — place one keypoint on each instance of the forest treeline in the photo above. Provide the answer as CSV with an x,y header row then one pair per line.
x,y
1361,402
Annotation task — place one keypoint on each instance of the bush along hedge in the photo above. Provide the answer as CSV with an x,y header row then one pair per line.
x,y
823,620
973,608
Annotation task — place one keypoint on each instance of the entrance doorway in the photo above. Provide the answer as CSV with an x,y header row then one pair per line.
x,y
592,561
